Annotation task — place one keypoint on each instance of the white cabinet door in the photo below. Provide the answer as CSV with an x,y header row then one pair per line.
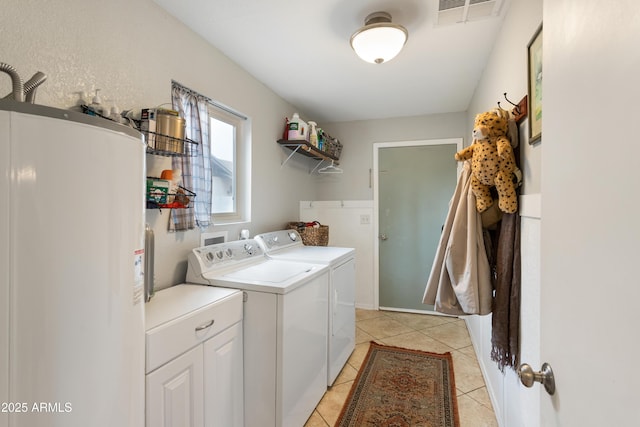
x,y
175,392
223,382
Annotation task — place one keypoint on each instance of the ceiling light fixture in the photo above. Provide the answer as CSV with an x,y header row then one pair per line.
x,y
379,40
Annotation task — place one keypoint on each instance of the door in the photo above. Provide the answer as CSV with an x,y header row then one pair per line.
x,y
414,184
174,392
590,233
223,379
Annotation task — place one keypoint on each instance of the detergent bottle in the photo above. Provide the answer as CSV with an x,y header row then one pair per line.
x,y
298,128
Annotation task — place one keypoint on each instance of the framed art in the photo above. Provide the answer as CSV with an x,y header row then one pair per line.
x,y
534,55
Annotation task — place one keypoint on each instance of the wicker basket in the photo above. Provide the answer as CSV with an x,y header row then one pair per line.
x,y
311,236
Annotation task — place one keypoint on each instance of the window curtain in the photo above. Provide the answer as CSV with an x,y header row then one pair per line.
x,y
196,169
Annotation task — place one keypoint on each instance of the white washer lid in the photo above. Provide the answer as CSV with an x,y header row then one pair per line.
x,y
331,255
274,276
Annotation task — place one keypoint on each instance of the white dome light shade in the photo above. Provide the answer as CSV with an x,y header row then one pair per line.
x,y
379,40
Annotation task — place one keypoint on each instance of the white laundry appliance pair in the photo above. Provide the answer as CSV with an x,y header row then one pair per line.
x,y
285,318
287,245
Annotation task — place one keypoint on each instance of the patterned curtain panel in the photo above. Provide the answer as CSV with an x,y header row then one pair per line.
x,y
196,170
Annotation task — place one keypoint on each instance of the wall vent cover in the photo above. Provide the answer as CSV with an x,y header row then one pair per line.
x,y
461,11
450,4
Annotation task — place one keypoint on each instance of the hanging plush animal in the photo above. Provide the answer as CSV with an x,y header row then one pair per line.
x,y
492,161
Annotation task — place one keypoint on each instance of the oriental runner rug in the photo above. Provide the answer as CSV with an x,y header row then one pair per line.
x,y
400,387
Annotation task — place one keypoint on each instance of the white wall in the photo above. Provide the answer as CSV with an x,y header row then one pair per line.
x,y
347,229
132,50
506,71
357,155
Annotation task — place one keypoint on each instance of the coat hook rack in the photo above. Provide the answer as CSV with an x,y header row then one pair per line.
x,y
516,108
519,110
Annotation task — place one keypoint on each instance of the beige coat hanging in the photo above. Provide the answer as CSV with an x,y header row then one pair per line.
x,y
460,279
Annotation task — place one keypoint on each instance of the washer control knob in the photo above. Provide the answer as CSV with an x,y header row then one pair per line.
x,y
219,254
229,252
248,249
209,256
293,236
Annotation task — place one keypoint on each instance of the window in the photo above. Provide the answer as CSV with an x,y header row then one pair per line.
x,y
223,169
230,165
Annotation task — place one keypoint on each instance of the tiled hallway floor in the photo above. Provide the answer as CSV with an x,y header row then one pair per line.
x,y
437,334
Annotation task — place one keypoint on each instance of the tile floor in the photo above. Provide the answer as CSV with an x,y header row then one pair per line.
x,y
436,334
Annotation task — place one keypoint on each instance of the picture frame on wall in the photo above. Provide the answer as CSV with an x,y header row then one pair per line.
x,y
534,55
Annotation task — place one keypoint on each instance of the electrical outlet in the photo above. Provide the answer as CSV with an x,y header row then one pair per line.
x,y
365,219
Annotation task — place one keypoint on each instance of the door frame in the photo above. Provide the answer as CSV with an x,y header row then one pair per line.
x,y
376,186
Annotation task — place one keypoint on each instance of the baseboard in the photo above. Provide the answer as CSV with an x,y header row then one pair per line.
x,y
365,306
498,408
408,310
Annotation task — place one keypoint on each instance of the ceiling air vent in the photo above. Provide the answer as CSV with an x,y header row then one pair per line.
x,y
460,11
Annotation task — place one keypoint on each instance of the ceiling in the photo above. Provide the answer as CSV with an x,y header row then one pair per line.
x,y
300,49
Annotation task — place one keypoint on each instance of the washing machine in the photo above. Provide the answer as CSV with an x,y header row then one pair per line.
x,y
288,245
284,327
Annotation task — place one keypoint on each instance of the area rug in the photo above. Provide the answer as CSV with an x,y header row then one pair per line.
x,y
400,387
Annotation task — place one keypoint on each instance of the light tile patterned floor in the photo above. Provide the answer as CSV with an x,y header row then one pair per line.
x,y
436,334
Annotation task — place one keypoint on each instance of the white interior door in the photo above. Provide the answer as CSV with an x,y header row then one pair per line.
x,y
590,233
414,182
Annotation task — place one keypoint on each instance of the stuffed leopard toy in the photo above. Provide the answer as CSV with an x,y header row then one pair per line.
x,y
492,161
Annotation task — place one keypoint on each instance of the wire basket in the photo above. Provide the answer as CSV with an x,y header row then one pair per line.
x,y
335,148
169,146
311,236
182,199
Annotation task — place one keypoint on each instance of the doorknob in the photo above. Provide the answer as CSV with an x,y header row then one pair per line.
x,y
383,237
545,377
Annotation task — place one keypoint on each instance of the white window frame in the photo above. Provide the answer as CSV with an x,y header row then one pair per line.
x,y
242,163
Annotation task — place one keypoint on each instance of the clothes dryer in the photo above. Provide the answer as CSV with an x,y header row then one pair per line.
x,y
287,245
284,327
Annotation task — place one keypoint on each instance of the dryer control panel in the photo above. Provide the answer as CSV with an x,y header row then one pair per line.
x,y
279,240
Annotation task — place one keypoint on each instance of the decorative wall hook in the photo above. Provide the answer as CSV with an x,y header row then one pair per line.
x,y
519,110
516,108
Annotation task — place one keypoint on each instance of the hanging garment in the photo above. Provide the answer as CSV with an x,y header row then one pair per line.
x,y
505,322
460,278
